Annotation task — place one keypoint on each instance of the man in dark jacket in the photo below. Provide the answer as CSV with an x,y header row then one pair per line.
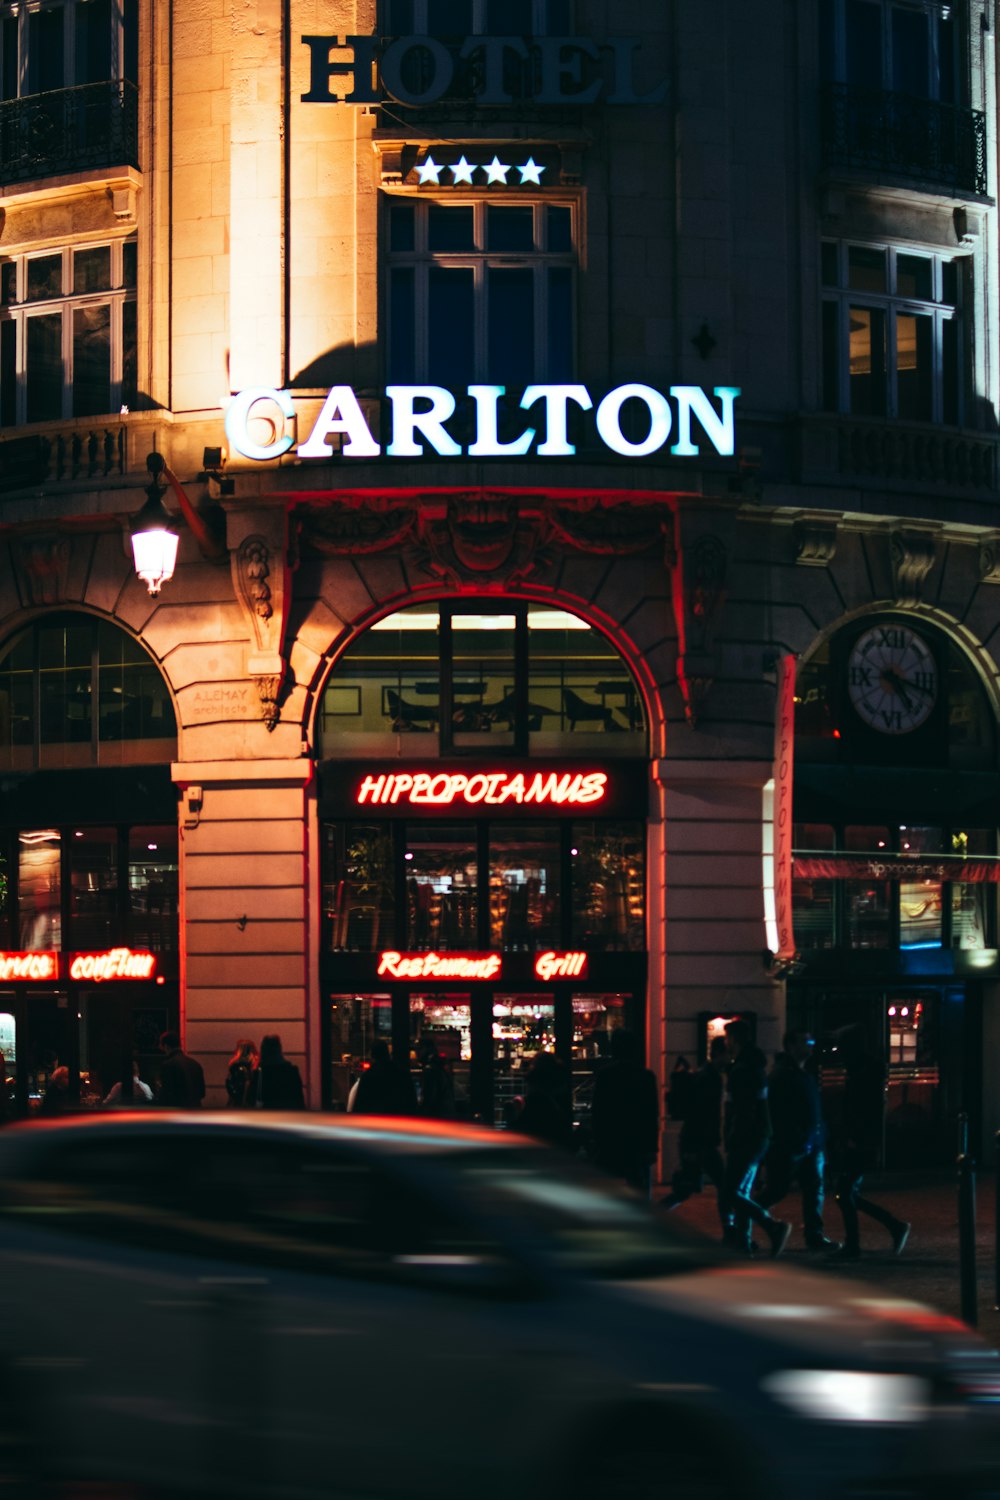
x,y
796,1152
857,1141
182,1081
748,1134
383,1089
624,1116
701,1132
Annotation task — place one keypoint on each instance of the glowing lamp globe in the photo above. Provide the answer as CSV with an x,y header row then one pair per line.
x,y
154,545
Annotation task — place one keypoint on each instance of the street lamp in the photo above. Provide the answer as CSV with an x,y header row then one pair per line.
x,y
154,537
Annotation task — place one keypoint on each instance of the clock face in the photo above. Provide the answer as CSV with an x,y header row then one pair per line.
x,y
892,679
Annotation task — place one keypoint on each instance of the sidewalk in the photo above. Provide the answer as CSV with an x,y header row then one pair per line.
x,y
927,1271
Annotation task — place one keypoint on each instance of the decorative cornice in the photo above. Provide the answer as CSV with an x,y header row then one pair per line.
x,y
815,543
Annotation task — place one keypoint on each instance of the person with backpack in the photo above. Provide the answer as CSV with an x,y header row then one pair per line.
x,y
697,1103
242,1066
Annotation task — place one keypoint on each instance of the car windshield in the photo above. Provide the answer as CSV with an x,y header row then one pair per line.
x,y
570,1217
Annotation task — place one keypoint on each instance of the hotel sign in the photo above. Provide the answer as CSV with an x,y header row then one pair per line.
x,y
420,70
419,415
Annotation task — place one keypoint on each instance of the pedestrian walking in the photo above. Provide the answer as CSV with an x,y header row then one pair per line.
x,y
382,1089
748,1135
798,1137
276,1082
182,1081
701,1132
242,1066
625,1115
547,1112
857,1141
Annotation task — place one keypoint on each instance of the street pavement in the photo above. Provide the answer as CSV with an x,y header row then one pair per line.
x,y
928,1269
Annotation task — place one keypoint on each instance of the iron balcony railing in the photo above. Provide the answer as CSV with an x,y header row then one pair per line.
x,y
68,130
940,145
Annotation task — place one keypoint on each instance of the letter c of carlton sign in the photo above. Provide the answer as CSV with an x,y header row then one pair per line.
x,y
419,414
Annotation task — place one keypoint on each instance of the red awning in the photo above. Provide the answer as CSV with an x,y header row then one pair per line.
x,y
895,867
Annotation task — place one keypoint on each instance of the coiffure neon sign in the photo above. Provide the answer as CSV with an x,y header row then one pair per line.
x,y
113,963
419,414
548,966
560,67
491,788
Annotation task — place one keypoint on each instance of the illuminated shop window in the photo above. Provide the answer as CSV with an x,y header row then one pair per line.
x,y
67,333
76,691
480,292
469,677
892,333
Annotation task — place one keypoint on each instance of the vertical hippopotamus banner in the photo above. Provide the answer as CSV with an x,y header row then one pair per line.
x,y
784,766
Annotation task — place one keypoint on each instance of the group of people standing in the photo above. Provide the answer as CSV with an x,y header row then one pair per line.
x,y
775,1134
264,1079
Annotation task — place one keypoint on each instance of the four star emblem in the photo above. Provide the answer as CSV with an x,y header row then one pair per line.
x,y
463,171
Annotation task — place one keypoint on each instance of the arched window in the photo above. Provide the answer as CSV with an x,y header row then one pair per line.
x,y
481,675
76,691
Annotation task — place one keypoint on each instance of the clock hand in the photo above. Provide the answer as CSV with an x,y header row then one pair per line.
x,y
895,683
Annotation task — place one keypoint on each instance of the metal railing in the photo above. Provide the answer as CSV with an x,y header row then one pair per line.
x,y
871,130
69,130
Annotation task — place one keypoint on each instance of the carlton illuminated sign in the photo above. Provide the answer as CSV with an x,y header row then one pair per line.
x,y
419,70
111,963
419,414
490,788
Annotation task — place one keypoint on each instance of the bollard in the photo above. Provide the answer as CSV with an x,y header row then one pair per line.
x,y
996,1233
967,1239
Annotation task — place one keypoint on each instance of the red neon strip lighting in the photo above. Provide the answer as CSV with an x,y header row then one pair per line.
x,y
491,788
561,965
439,965
112,963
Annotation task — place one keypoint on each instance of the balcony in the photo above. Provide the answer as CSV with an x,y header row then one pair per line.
x,y
917,458
69,130
938,146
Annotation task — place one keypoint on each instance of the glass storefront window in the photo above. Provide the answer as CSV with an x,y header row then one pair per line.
x,y
524,886
482,680
867,902
523,1026
441,1053
813,900
356,1022
595,1017
39,889
577,682
442,895
358,885
608,885
92,857
973,906
920,907
152,888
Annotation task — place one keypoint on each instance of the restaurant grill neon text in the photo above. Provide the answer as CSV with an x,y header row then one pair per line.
x,y
549,965
493,788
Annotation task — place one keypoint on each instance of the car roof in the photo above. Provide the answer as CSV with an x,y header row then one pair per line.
x,y
395,1134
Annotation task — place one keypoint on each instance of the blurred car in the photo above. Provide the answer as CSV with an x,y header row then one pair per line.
x,y
309,1306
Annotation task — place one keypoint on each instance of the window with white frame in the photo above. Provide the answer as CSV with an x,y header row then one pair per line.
x,y
61,44
897,46
480,291
892,333
476,17
67,333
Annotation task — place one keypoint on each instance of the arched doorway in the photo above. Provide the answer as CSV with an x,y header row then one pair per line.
x,y
88,857
483,800
895,865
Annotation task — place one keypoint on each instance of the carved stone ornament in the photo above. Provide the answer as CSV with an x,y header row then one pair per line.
x,y
484,536
358,530
42,564
989,559
699,580
815,543
610,530
913,554
261,569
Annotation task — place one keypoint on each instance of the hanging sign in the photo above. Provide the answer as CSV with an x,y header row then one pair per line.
x,y
784,765
419,413
521,71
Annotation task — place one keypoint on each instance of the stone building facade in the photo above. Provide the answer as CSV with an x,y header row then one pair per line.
x,y
212,216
